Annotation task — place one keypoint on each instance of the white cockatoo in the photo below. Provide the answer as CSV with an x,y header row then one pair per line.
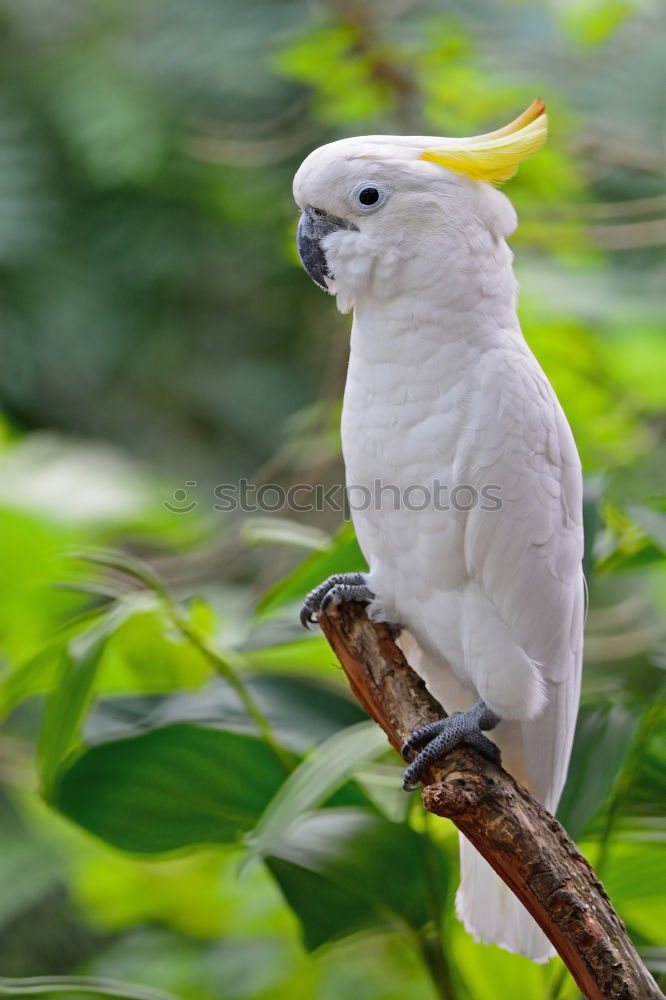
x,y
463,476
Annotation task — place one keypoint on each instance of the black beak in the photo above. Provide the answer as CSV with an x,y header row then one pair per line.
x,y
313,226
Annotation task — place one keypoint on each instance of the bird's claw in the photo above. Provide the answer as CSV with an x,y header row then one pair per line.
x,y
307,617
339,587
434,741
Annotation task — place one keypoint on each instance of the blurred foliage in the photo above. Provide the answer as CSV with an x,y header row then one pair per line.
x,y
249,838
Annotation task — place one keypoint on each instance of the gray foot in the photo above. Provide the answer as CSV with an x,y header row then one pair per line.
x,y
340,587
434,741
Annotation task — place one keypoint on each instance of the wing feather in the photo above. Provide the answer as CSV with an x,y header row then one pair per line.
x,y
527,556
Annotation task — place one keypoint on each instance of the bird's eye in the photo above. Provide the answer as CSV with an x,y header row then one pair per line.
x,y
367,197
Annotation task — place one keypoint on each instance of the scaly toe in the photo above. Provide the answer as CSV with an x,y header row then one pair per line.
x,y
439,737
421,737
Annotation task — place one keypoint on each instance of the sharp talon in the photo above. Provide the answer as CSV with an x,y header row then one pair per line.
x,y
407,787
339,587
305,617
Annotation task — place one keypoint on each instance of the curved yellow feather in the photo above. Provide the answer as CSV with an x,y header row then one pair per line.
x,y
495,156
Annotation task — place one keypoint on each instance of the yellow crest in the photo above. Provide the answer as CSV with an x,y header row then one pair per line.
x,y
495,156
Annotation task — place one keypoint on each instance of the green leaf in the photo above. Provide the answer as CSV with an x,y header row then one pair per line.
x,y
345,870
143,653
30,607
342,556
169,788
604,734
302,711
645,553
640,541
67,703
37,674
317,777
147,654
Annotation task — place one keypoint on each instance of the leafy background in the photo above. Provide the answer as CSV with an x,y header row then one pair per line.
x,y
191,804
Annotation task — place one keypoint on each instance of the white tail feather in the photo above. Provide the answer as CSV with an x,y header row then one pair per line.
x,y
485,905
490,911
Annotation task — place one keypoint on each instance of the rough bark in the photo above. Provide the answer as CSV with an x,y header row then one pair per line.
x,y
527,847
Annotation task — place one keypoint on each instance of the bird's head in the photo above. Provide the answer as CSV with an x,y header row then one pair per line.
x,y
375,209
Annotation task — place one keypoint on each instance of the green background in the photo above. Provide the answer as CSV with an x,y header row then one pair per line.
x,y
158,340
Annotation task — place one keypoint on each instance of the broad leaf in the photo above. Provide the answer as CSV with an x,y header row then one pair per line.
x,y
345,870
302,711
174,787
67,703
38,673
169,788
147,654
317,777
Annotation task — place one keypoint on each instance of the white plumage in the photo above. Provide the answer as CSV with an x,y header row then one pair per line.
x,y
442,389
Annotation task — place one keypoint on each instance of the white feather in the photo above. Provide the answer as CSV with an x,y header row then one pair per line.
x,y
442,389
492,914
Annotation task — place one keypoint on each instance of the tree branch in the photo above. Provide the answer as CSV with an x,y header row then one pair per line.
x,y
527,847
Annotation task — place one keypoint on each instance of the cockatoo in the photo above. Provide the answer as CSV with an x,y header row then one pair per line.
x,y
443,396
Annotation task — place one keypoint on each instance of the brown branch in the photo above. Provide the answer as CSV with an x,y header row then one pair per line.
x,y
524,844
